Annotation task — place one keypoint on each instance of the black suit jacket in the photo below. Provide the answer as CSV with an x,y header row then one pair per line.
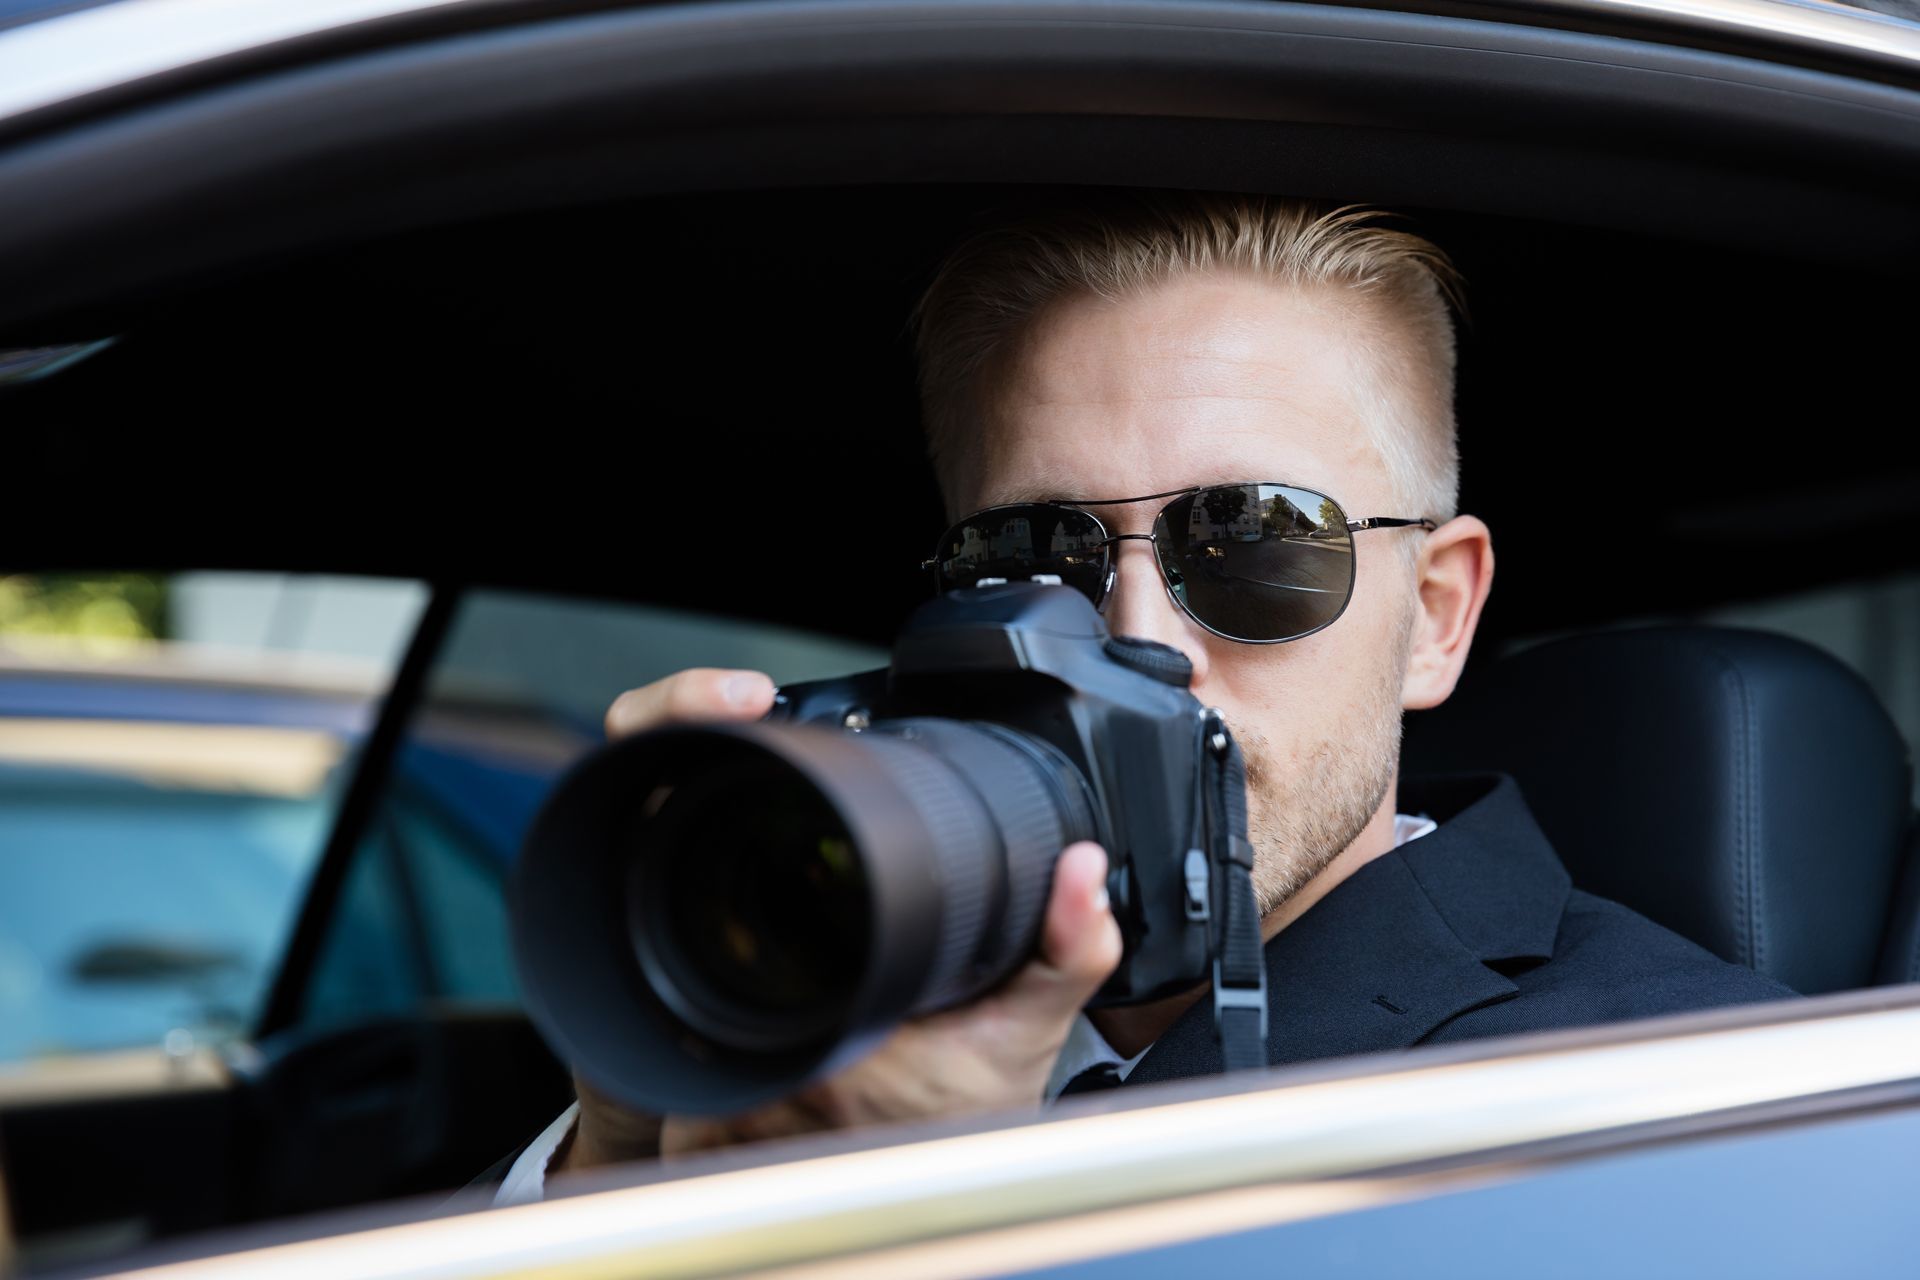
x,y
1471,930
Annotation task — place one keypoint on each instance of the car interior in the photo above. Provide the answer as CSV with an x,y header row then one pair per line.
x,y
682,375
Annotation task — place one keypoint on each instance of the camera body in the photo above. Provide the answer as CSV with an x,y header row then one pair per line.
x,y
1037,658
707,916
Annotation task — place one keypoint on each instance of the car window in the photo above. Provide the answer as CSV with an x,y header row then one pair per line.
x,y
518,693
172,750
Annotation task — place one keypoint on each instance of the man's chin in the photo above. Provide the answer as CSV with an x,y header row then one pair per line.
x,y
1298,834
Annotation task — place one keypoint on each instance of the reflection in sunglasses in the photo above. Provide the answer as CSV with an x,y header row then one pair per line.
x,y
1239,558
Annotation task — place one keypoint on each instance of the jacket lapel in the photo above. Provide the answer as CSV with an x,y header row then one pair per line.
x,y
1402,945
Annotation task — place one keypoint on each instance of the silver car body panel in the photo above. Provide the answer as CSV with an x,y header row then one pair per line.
x,y
74,56
1113,1177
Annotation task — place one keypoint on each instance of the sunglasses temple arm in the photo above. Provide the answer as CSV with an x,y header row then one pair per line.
x,y
1388,522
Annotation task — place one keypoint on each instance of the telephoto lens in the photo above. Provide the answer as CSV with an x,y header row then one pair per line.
x,y
708,916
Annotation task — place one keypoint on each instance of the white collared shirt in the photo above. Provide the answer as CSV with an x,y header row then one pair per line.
x,y
526,1181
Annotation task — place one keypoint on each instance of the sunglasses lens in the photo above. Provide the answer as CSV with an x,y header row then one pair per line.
x,y
1018,542
1258,562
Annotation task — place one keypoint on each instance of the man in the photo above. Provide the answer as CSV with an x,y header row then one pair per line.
x,y
1119,360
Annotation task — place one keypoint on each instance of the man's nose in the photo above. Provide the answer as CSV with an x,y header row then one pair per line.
x,y
1139,605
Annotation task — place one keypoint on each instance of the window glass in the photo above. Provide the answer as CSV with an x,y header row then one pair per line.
x,y
519,692
172,750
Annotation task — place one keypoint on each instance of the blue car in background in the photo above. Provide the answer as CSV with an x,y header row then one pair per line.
x,y
127,799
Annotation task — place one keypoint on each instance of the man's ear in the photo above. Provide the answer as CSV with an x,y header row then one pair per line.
x,y
1451,581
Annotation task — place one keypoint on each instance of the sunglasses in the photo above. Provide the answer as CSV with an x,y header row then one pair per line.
x,y
1256,563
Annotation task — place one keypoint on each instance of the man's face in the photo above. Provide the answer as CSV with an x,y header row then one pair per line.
x,y
1223,378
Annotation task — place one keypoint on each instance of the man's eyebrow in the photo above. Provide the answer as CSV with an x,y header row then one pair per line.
x,y
1038,487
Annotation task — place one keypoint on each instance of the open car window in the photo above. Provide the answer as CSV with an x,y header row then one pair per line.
x,y
402,1064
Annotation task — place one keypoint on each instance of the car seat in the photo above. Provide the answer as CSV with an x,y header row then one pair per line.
x,y
1742,788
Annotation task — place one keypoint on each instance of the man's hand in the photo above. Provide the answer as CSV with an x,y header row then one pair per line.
x,y
696,694
990,1055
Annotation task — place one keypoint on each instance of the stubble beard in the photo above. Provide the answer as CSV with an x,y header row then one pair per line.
x,y
1302,816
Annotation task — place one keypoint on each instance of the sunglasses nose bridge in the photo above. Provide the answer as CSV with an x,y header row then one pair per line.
x,y
1148,614
1153,538
1113,557
1113,566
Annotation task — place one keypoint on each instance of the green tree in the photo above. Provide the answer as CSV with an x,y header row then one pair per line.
x,y
129,606
1224,506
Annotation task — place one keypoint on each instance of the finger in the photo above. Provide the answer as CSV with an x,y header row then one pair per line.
x,y
687,1135
1079,942
809,1111
613,1126
699,693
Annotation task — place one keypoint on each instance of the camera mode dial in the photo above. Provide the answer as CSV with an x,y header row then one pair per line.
x,y
1151,658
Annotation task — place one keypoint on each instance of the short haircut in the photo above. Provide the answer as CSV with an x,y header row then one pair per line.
x,y
993,285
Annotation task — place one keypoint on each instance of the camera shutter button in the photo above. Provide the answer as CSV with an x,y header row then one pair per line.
x,y
1151,658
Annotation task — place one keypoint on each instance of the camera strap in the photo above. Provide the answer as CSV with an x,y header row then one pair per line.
x,y
1239,966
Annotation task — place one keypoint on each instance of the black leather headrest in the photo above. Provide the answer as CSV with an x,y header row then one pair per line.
x,y
1900,958
1742,788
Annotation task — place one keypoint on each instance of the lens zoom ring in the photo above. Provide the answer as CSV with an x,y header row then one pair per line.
x,y
977,951
964,846
1040,814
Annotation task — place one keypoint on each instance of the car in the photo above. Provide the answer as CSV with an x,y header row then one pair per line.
x,y
559,320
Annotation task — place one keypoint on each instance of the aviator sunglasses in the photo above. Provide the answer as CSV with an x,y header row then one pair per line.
x,y
1252,562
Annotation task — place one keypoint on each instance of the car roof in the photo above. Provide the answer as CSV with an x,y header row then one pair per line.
x,y
65,51
20,12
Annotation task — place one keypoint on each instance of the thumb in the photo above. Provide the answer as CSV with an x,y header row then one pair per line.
x,y
1079,941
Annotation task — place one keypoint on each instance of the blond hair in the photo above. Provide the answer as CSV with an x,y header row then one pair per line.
x,y
995,283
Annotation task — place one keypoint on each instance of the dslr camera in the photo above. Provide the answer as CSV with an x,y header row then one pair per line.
x,y
707,917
